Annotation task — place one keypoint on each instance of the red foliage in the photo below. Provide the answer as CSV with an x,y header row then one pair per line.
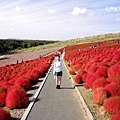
x,y
101,71
71,72
2,99
2,89
68,64
5,84
112,104
113,89
78,79
84,77
23,82
99,95
5,115
89,80
80,72
100,82
114,72
14,87
115,116
32,77
92,69
17,98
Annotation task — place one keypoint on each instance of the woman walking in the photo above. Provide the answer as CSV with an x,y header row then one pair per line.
x,y
57,69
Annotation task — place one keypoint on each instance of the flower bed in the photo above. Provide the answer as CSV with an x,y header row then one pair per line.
x,y
17,79
99,70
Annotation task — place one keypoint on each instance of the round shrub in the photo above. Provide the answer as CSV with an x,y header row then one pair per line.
x,y
33,79
101,71
115,116
84,77
17,98
2,89
99,95
114,72
100,82
14,87
5,84
112,104
2,99
78,79
113,89
23,82
92,69
5,115
71,72
89,80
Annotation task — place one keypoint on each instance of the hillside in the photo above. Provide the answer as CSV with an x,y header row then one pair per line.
x,y
7,45
90,39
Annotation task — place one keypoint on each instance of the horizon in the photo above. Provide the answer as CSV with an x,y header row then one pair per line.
x,y
56,40
58,19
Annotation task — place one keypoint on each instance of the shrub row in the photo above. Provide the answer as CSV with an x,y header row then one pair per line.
x,y
99,69
17,79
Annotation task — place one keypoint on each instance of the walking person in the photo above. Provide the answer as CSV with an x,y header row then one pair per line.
x,y
57,69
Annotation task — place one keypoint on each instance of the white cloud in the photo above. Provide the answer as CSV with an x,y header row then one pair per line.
x,y
52,11
12,29
113,9
18,9
76,11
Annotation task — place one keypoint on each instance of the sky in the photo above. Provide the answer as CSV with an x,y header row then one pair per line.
x,y
58,19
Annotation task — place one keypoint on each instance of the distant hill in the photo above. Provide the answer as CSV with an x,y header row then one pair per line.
x,y
89,39
12,44
27,46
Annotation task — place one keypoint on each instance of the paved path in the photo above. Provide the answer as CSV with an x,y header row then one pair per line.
x,y
57,104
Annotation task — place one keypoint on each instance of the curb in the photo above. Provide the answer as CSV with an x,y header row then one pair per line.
x,y
27,111
89,114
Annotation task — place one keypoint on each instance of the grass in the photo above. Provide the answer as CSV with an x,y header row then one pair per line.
x,y
48,46
98,38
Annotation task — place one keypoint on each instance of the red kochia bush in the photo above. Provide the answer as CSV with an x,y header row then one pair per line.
x,y
23,82
101,71
5,84
116,116
2,89
2,99
113,89
78,79
100,82
33,76
89,80
92,69
5,115
114,72
71,72
33,79
99,95
112,104
17,98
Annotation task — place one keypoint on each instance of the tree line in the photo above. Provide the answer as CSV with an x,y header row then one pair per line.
x,y
11,44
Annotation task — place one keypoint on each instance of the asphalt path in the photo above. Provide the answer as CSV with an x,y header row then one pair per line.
x,y
57,104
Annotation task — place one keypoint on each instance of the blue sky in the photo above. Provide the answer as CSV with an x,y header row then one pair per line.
x,y
58,19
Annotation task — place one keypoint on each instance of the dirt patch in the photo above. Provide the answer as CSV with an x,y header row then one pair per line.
x,y
97,111
12,59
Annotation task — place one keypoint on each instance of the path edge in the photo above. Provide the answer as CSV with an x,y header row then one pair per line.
x,y
29,108
89,114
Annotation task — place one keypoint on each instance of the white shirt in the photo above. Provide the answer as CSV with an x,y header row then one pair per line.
x,y
58,64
